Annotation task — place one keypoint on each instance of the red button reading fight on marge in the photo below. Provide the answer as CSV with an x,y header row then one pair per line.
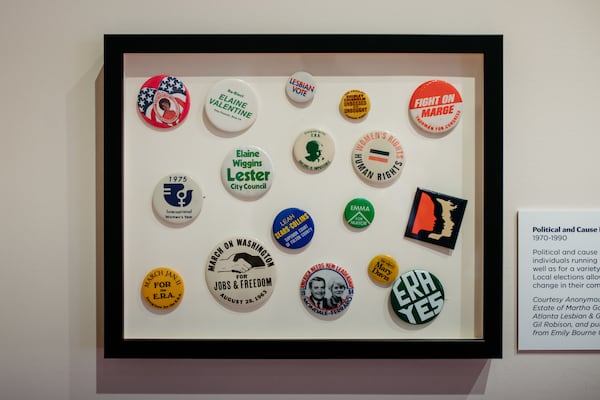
x,y
436,106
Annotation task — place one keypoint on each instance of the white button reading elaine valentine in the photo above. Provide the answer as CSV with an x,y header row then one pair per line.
x,y
231,105
300,87
378,157
247,172
177,199
436,106
240,273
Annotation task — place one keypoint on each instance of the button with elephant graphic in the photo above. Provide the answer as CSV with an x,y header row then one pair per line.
x,y
313,150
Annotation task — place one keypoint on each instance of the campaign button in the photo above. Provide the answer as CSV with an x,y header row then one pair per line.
x,y
355,104
162,288
326,289
163,101
300,87
436,106
247,172
293,228
313,150
378,158
177,199
231,105
383,269
240,273
359,213
417,297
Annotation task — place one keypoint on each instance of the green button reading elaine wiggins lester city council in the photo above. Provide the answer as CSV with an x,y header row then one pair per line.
x,y
359,213
247,172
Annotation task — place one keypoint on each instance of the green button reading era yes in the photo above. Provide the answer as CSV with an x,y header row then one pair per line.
x,y
359,213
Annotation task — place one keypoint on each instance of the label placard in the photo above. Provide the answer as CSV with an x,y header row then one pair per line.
x,y
559,280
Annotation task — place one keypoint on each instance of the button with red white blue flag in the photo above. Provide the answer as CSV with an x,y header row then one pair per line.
x,y
378,158
163,101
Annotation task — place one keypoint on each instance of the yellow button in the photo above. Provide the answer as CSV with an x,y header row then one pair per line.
x,y
355,104
162,288
383,269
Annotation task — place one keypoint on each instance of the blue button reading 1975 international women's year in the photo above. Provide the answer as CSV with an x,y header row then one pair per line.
x,y
293,228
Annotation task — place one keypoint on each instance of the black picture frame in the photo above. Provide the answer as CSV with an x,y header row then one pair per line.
x,y
116,346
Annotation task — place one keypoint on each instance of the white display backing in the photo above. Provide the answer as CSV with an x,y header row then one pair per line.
x,y
450,164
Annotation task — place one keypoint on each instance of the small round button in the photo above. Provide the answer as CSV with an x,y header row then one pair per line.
x,y
293,228
378,157
240,273
355,104
300,87
359,213
383,269
247,172
162,288
436,106
417,297
231,105
177,199
163,101
326,289
314,150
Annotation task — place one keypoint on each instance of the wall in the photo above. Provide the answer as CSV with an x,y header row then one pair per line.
x,y
51,61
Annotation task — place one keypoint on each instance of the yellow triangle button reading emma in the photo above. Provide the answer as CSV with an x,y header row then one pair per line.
x,y
162,288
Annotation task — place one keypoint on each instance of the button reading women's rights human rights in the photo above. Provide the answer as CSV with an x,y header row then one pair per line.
x,y
162,288
163,101
359,213
383,269
177,199
314,150
378,157
417,297
241,273
436,106
231,105
293,228
300,87
247,172
326,289
355,104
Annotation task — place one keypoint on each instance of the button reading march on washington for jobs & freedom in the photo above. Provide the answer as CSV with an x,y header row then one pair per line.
x,y
240,273
300,87
436,106
359,213
417,297
355,104
177,199
162,288
231,105
314,150
163,101
326,289
383,269
378,157
293,228
247,172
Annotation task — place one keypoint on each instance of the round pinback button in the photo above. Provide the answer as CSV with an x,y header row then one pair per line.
x,y
355,104
326,289
163,101
300,87
177,199
417,297
247,172
231,105
313,150
359,213
378,157
436,106
162,288
293,228
240,273
383,269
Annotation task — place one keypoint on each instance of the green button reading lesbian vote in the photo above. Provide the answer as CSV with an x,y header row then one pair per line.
x,y
359,213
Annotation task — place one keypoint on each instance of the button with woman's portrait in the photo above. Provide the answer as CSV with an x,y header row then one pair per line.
x,y
163,101
313,150
326,289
